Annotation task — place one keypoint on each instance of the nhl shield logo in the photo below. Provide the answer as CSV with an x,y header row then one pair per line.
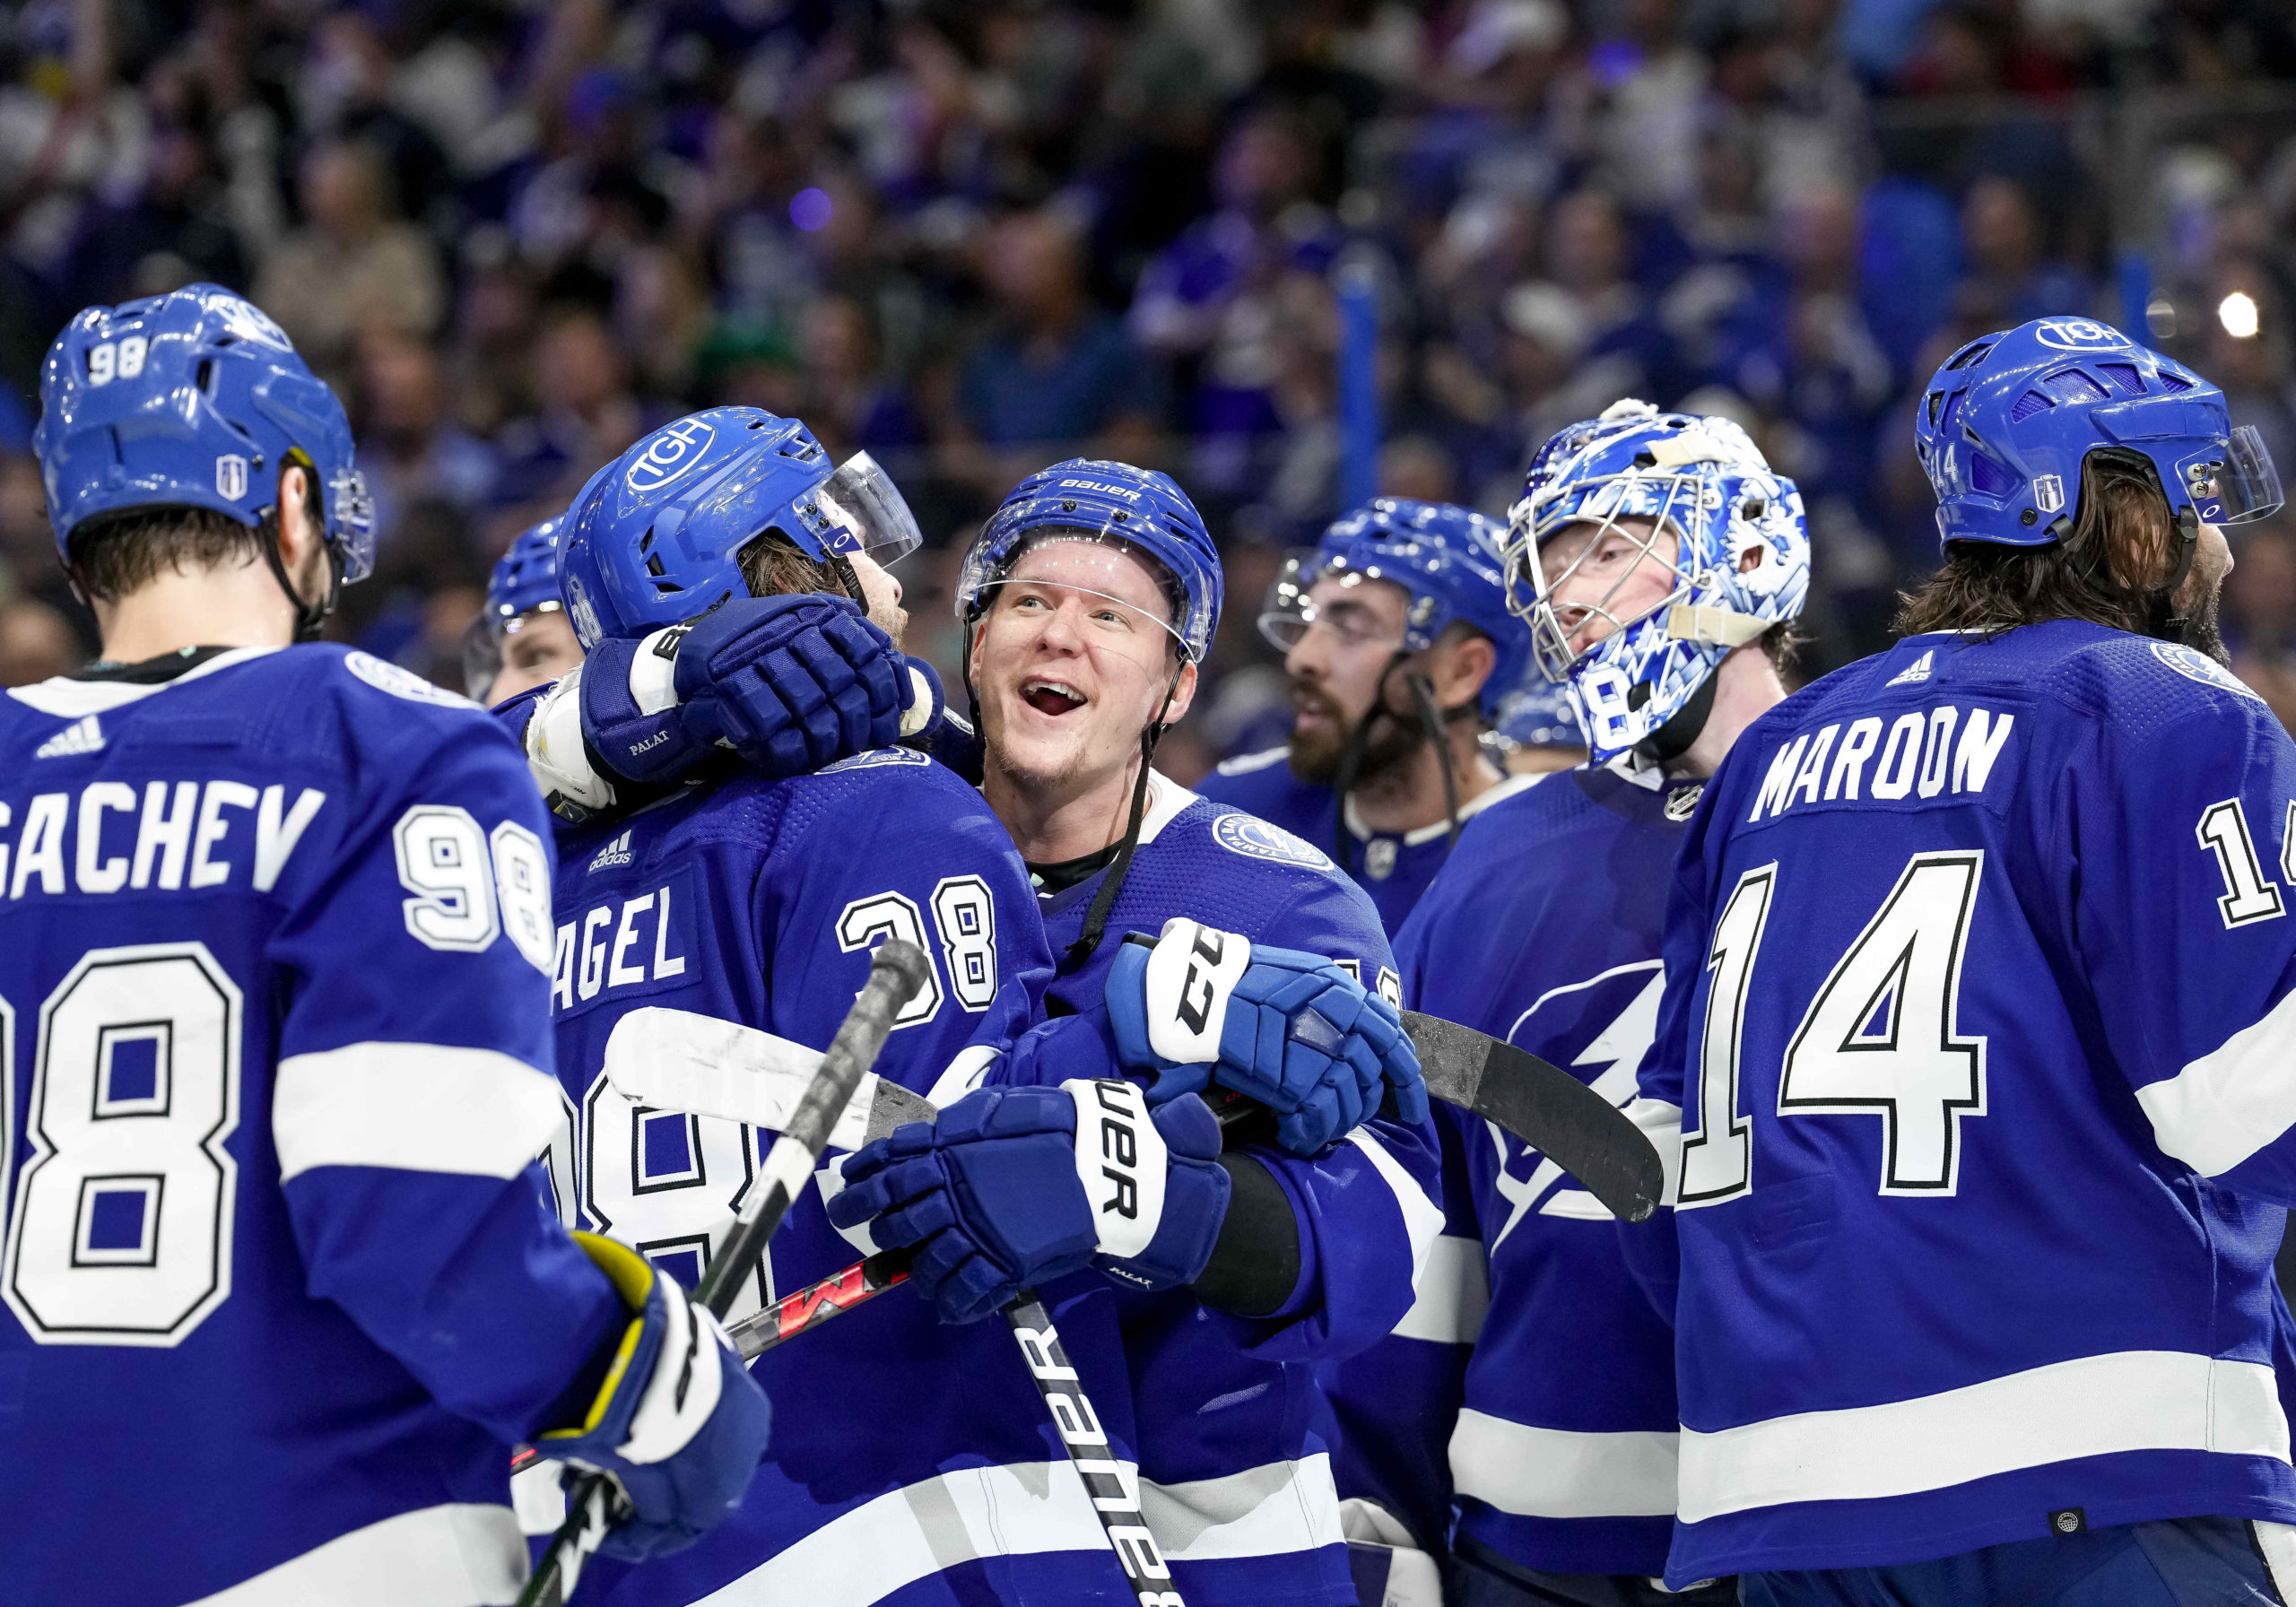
x,y
673,450
1379,858
2048,492
230,477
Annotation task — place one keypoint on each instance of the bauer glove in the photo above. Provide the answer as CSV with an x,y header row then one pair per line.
x,y
679,1424
1010,1187
1290,1029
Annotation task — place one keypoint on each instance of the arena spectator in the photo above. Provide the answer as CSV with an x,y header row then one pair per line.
x,y
354,266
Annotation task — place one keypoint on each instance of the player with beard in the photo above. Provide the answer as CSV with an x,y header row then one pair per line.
x,y
1402,654
1972,1066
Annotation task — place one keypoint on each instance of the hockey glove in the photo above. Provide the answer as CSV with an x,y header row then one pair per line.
x,y
1012,1187
790,684
1292,1030
679,1424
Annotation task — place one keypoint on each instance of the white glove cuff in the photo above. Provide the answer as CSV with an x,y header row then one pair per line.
x,y
1120,1160
555,750
1191,976
653,671
683,1388
922,706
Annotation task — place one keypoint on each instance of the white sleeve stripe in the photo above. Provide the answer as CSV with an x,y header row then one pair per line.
x,y
1454,1293
2233,1101
434,1557
1422,1218
1662,1125
418,1108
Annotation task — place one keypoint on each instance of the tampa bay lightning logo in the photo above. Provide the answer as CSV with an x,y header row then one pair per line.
x,y
1601,1029
872,759
1255,839
2195,666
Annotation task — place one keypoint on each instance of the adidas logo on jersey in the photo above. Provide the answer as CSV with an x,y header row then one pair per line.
x,y
1918,670
82,735
616,852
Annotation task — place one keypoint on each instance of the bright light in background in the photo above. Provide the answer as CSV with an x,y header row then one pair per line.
x,y
809,210
2237,312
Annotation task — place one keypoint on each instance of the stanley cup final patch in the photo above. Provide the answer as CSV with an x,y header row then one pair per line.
x,y
1120,1160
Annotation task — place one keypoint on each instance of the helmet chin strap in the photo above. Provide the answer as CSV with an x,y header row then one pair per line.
x,y
1672,740
308,616
2168,624
847,576
1096,919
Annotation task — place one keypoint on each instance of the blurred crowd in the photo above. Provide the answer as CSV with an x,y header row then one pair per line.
x,y
973,236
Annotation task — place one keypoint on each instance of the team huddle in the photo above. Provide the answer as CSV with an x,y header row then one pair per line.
x,y
1952,993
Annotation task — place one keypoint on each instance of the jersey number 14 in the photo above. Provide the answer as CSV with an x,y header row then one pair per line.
x,y
1879,1039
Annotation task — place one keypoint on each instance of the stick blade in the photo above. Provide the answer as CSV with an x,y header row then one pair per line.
x,y
1543,1106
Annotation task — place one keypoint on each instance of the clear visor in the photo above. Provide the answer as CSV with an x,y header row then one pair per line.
x,y
514,624
482,658
867,505
1291,611
1628,523
2234,482
1114,586
355,525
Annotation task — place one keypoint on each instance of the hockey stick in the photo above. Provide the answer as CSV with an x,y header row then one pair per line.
x,y
897,972
671,1060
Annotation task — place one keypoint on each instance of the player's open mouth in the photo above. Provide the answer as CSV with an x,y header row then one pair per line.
x,y
1051,697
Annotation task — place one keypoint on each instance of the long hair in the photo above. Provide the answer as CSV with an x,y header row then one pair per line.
x,y
2109,571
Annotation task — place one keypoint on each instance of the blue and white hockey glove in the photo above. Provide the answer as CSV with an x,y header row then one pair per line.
x,y
679,1423
790,684
1290,1029
1012,1187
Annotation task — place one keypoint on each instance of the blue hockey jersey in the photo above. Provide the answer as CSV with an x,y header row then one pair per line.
x,y
1980,1037
1394,867
1235,1483
911,1462
1549,1416
279,1286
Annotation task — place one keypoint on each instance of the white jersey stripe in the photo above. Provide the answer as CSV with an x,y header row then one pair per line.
x,y
1422,1218
2092,1406
1454,1292
1033,1509
1561,1472
466,1555
419,1107
2233,1101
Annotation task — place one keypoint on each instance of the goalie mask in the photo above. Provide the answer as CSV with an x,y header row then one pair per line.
x,y
1695,497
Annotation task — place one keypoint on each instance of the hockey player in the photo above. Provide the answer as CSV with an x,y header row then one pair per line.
x,y
1090,597
522,637
1973,1053
1659,560
912,1461
274,1043
1401,651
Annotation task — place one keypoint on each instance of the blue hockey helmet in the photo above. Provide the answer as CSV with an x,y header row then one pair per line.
x,y
655,537
1448,559
2005,425
1088,499
524,581
1741,561
191,399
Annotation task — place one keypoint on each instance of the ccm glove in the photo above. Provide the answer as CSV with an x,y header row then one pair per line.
x,y
790,684
1290,1029
679,1424
1009,1188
